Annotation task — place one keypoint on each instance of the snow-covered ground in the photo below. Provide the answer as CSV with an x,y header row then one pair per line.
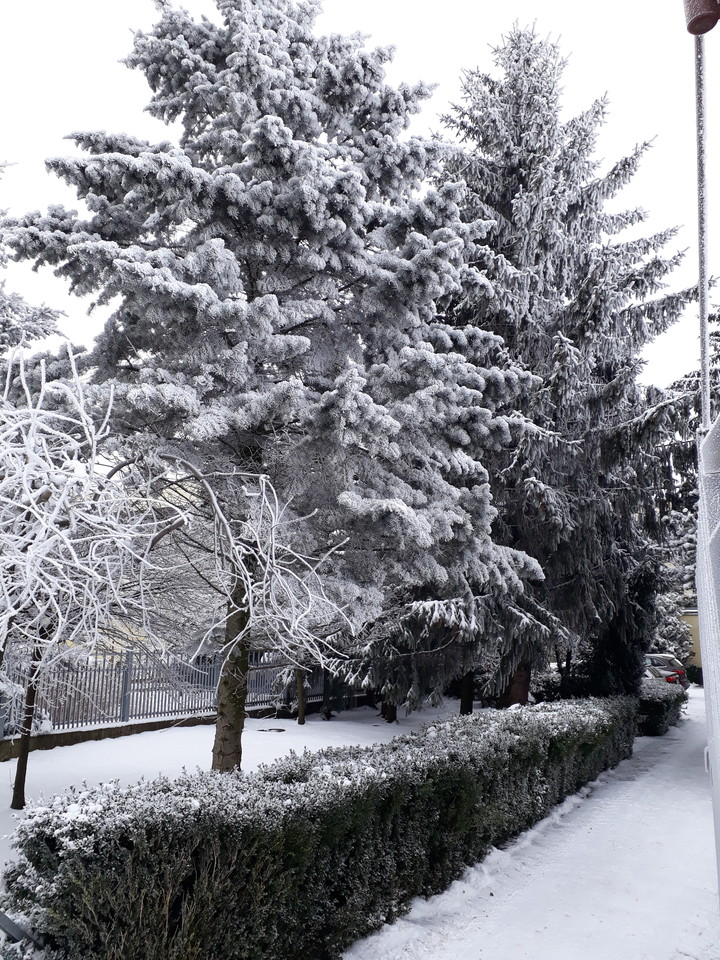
x,y
168,752
625,870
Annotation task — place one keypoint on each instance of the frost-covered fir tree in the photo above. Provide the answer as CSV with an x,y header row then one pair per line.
x,y
21,322
576,300
678,489
677,499
276,276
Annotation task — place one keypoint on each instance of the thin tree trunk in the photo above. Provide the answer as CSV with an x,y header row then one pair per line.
x,y
232,691
326,695
467,690
518,689
563,662
300,683
18,796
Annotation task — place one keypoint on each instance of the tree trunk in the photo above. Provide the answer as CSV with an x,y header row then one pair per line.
x,y
232,691
326,695
300,682
388,712
563,663
467,691
18,796
518,689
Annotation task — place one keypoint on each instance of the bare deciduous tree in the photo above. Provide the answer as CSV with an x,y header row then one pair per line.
x,y
73,531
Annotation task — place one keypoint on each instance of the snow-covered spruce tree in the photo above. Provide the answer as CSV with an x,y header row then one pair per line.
x,y
677,499
276,275
677,493
20,322
575,301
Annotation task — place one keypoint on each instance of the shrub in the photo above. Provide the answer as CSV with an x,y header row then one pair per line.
x,y
694,673
661,704
303,857
546,686
12,710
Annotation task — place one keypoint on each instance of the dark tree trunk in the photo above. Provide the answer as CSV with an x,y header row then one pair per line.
x,y
563,663
467,691
299,682
388,712
18,796
326,695
232,691
518,689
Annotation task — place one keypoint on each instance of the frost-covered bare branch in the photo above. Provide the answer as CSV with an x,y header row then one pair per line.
x,y
284,604
72,536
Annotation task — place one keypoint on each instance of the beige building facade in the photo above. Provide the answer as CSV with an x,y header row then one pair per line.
x,y
690,616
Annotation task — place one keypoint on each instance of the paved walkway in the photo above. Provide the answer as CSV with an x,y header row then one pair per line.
x,y
623,871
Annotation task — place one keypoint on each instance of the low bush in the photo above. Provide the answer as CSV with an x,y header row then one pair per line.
x,y
549,686
661,704
301,858
546,686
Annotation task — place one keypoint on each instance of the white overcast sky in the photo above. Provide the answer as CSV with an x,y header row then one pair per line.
x,y
59,72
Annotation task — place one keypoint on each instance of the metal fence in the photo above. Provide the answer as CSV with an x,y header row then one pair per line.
x,y
111,688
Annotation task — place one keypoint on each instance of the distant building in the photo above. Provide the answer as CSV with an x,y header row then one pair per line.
x,y
690,616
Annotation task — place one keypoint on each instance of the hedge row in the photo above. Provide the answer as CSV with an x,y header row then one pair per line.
x,y
660,706
300,859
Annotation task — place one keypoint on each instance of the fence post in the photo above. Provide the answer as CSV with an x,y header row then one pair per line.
x,y
126,687
215,675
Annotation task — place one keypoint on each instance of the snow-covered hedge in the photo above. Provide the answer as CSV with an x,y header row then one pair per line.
x,y
660,706
298,860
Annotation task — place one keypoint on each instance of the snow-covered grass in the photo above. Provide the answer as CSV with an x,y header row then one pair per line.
x,y
169,752
626,868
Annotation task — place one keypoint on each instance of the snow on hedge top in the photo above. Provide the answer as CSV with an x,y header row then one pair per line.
x,y
87,821
653,688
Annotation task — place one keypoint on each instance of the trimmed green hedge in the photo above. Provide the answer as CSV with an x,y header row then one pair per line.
x,y
661,704
298,860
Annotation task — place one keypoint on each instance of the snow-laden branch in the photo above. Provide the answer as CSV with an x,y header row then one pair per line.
x,y
284,603
73,535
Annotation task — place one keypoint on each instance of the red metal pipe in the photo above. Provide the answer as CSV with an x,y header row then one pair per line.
x,y
701,15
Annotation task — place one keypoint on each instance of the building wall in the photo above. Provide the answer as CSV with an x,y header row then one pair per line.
x,y
691,618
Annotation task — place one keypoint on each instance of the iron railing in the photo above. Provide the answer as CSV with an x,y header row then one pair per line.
x,y
119,687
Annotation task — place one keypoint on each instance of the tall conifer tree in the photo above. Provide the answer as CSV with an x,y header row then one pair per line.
x,y
277,273
677,493
576,299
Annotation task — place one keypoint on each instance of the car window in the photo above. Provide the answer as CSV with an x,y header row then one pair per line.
x,y
665,661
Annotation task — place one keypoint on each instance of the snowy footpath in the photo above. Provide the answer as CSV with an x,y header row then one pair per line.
x,y
625,870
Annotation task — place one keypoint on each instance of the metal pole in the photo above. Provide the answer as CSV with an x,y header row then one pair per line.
x,y
708,538
702,236
126,695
